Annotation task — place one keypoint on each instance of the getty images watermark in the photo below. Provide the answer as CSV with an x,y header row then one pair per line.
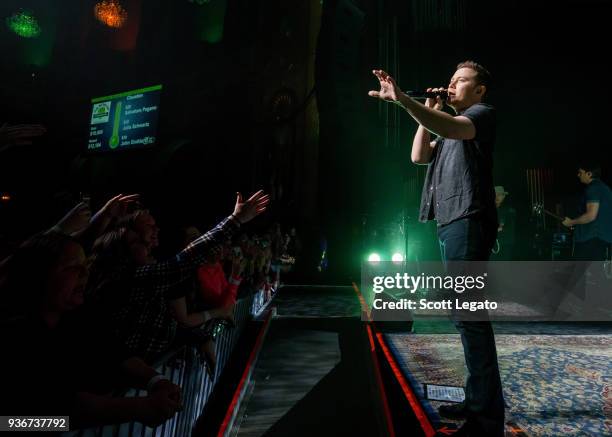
x,y
443,284
496,290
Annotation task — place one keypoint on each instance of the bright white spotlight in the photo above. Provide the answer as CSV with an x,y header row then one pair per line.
x,y
374,258
397,258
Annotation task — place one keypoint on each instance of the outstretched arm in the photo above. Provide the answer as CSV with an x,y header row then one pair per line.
x,y
435,121
171,273
114,209
75,220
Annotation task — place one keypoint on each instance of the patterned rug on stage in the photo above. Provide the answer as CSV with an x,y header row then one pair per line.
x,y
554,385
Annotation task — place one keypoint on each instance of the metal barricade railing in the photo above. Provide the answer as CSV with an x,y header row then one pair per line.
x,y
183,368
261,299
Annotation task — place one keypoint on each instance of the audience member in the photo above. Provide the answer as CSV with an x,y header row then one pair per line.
x,y
60,363
143,320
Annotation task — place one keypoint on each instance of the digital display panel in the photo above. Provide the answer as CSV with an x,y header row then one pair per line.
x,y
125,120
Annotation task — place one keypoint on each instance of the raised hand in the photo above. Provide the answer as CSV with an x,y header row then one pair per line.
x,y
255,205
117,206
389,91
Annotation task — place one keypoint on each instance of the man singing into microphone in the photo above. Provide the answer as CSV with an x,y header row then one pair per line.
x,y
459,194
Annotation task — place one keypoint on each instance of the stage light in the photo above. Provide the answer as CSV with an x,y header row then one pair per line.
x,y
374,258
397,257
24,24
209,20
110,13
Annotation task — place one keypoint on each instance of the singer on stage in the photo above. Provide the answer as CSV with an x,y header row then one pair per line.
x,y
459,194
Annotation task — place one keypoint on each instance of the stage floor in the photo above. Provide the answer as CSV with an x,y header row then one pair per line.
x,y
557,379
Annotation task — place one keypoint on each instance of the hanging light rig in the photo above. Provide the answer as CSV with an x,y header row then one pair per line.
x,y
110,13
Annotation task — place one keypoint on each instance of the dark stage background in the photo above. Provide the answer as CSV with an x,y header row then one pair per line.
x,y
273,94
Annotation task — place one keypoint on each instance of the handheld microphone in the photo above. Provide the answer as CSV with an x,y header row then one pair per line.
x,y
427,94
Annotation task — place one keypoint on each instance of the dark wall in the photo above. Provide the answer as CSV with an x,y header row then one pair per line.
x,y
205,138
217,117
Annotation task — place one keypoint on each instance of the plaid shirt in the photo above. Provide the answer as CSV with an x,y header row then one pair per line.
x,y
145,323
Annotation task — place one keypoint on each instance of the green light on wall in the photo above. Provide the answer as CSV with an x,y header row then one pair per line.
x,y
24,24
210,20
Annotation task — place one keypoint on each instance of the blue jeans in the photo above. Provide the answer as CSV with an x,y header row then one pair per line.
x,y
471,239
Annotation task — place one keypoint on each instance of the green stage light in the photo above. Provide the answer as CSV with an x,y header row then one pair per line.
x,y
397,257
374,258
209,20
24,24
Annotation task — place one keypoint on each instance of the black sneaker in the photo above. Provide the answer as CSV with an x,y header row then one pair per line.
x,y
453,411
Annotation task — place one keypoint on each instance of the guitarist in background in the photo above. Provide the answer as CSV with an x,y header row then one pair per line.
x,y
593,229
